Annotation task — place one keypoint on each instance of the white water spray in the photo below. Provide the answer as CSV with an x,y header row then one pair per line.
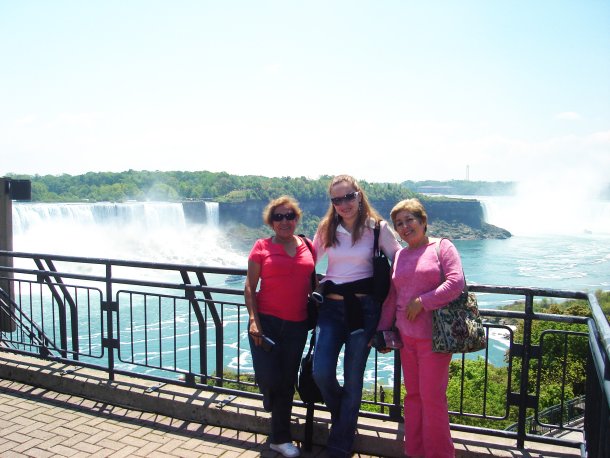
x,y
150,231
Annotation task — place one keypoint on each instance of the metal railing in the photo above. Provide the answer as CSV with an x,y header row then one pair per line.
x,y
187,325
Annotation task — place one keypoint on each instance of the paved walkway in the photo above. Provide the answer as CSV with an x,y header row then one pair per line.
x,y
40,423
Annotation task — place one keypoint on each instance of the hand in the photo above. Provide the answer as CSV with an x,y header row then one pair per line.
x,y
382,350
413,309
255,332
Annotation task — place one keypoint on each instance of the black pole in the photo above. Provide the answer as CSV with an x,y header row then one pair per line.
x,y
7,324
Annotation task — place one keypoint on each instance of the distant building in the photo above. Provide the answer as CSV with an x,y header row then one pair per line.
x,y
435,189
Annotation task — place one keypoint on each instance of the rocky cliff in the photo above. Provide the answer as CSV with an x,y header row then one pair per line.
x,y
456,218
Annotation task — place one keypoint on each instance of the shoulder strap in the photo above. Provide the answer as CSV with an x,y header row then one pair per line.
x,y
440,261
437,244
376,239
306,242
314,277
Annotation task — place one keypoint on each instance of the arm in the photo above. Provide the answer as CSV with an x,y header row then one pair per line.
x,y
318,248
387,240
252,278
388,313
454,282
388,308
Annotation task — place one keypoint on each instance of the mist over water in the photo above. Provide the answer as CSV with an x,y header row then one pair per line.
x,y
555,244
143,231
543,215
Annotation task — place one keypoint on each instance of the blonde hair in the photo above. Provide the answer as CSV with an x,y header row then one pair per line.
x,y
331,220
282,200
413,206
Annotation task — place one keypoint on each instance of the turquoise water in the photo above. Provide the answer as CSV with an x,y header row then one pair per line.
x,y
577,260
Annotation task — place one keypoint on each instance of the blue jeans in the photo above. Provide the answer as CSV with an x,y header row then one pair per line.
x,y
276,371
342,401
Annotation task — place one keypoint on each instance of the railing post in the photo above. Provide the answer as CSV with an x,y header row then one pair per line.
x,y
396,403
525,368
110,343
7,324
9,190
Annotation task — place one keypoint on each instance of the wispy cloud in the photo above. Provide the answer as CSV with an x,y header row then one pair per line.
x,y
26,120
568,115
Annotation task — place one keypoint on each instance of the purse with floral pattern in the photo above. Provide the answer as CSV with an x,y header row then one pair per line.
x,y
457,327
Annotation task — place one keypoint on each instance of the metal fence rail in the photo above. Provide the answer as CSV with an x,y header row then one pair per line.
x,y
185,324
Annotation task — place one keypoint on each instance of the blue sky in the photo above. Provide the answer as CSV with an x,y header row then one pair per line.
x,y
385,90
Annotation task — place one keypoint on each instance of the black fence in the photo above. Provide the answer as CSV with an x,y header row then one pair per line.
x,y
187,325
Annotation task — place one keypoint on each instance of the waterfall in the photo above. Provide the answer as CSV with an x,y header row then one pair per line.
x,y
556,215
212,216
148,215
149,231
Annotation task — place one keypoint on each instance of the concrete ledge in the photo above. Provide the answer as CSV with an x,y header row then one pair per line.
x,y
375,437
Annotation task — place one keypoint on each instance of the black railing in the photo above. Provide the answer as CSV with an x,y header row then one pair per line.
x,y
187,325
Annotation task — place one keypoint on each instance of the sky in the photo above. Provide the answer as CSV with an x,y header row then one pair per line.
x,y
384,90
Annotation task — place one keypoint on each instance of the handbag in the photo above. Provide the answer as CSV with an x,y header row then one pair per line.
x,y
457,327
312,304
306,385
390,338
382,271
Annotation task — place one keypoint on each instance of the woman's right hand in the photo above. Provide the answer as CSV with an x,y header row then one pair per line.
x,y
414,308
256,333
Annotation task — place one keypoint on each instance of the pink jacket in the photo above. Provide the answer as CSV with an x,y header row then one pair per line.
x,y
416,273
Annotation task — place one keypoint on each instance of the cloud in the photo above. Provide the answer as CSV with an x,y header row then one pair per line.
x,y
569,116
272,69
26,120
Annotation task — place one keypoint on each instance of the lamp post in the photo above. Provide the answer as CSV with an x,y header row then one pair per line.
x,y
9,190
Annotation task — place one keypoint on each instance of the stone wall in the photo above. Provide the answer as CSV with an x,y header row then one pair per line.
x,y
467,212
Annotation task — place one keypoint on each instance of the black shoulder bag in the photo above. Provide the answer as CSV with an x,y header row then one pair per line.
x,y
312,304
308,391
382,270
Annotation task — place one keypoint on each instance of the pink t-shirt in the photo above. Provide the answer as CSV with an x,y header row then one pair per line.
x,y
347,262
285,281
416,273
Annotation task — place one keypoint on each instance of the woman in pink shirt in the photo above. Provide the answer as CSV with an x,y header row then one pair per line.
x,y
416,290
278,314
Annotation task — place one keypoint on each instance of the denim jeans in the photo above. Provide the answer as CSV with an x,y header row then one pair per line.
x,y
276,371
343,401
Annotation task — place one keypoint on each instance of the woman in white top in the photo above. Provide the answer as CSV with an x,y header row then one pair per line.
x,y
349,313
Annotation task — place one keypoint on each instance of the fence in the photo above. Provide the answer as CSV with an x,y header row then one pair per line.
x,y
187,325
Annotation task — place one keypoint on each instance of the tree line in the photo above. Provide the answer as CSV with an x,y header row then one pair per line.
x,y
178,186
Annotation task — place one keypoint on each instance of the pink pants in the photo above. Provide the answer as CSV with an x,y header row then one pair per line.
x,y
426,375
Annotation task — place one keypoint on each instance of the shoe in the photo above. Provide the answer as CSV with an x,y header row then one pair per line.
x,y
287,449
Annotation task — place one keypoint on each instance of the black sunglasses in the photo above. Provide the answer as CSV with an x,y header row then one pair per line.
x,y
346,198
290,216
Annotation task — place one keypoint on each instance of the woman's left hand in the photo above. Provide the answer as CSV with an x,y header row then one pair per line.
x,y
413,309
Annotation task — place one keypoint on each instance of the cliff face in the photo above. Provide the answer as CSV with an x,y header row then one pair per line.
x,y
458,219
468,212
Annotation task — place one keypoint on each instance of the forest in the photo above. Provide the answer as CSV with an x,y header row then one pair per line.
x,y
220,186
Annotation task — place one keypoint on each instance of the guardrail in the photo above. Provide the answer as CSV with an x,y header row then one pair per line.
x,y
187,325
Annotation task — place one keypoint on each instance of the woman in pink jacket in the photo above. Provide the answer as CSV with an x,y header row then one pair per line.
x,y
416,290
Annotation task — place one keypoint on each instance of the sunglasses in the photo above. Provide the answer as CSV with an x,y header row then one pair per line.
x,y
290,216
346,198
